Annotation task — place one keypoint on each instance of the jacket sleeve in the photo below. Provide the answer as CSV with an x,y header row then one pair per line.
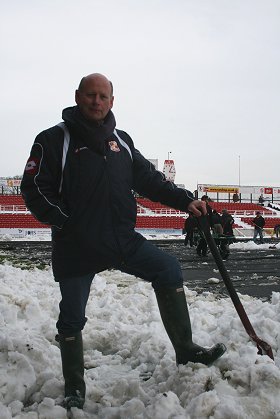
x,y
151,183
42,176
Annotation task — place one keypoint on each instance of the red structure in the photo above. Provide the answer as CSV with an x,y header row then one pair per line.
x,y
153,216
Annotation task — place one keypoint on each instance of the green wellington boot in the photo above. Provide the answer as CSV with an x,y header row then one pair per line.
x,y
175,316
71,348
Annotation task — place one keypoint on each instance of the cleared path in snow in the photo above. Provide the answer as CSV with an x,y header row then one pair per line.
x,y
255,272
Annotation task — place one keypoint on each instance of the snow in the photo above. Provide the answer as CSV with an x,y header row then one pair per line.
x,y
130,363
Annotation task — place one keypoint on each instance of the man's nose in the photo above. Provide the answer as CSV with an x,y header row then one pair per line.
x,y
96,99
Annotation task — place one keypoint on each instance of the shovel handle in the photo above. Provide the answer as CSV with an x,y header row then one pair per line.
x,y
263,347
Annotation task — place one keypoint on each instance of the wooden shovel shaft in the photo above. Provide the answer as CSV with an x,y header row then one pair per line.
x,y
263,347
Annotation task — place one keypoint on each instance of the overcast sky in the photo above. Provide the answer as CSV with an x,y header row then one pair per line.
x,y
197,78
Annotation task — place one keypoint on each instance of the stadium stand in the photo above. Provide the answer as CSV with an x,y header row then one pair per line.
x,y
11,200
240,208
18,220
156,207
269,221
158,222
11,203
150,215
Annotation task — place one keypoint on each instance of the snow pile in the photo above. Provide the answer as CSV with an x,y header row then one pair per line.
x,y
131,370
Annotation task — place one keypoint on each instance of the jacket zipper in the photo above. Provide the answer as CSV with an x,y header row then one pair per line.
x,y
112,210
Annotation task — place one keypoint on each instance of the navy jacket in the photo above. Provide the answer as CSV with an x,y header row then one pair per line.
x,y
93,214
259,222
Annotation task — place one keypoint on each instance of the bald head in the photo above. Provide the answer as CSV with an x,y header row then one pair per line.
x,y
95,76
94,97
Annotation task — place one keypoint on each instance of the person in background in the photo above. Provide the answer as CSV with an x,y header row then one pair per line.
x,y
222,240
202,247
258,223
277,230
227,221
217,222
189,227
235,197
79,180
261,199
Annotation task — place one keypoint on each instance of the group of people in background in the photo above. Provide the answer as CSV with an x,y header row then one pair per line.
x,y
221,226
222,230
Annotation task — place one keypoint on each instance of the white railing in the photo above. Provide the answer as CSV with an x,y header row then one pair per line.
x,y
164,213
141,210
169,211
253,213
156,212
12,209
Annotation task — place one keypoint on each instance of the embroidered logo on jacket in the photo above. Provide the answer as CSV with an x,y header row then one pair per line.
x,y
32,166
114,146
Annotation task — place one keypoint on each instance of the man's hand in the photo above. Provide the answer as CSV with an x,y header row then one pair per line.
x,y
197,208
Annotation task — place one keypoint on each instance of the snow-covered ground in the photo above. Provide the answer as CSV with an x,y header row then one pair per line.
x,y
125,344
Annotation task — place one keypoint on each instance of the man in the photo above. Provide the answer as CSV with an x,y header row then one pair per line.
x,y
227,221
217,223
276,230
201,248
258,223
189,227
222,240
81,185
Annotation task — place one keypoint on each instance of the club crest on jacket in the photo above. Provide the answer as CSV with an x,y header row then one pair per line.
x,y
114,146
32,166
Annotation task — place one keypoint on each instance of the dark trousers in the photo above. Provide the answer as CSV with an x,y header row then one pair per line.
x,y
148,262
202,247
189,238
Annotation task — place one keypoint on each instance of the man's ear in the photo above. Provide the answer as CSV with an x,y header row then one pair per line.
x,y
112,102
77,97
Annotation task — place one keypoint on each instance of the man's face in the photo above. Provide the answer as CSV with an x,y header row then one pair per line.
x,y
95,98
